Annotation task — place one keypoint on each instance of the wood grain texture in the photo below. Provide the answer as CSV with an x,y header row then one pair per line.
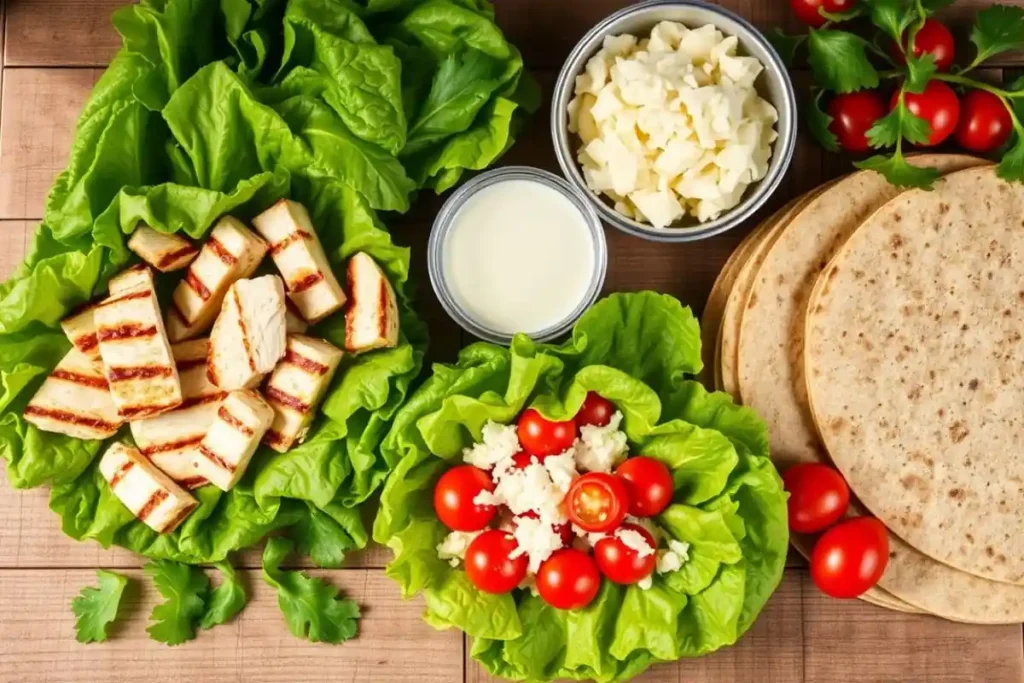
x,y
37,125
37,630
60,32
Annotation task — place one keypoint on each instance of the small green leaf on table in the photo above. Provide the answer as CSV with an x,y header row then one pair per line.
x,y
310,606
839,61
184,589
818,122
97,607
226,600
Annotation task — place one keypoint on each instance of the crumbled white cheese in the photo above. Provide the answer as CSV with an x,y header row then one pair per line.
x,y
645,583
634,540
500,442
453,547
536,539
585,540
562,469
647,525
673,558
600,449
525,490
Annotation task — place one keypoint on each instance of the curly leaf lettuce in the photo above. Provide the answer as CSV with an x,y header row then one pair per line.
x,y
214,108
636,350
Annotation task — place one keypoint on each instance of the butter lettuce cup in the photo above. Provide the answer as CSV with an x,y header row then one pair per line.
x,y
719,546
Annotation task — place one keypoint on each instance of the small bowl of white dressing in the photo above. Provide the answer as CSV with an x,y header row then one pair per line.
x,y
517,249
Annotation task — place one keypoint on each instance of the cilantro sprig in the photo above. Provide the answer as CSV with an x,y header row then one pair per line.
x,y
843,62
96,608
188,601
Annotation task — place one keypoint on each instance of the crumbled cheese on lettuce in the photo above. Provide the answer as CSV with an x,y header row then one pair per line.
x,y
453,547
537,540
525,490
562,469
600,449
500,442
635,541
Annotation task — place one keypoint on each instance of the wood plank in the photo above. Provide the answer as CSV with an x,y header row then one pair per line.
x,y
37,124
14,239
37,630
865,644
61,32
770,652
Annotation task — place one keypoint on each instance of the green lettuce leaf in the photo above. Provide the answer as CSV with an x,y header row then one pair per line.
x,y
637,350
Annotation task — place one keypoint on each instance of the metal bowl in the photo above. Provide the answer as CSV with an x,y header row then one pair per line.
x,y
773,84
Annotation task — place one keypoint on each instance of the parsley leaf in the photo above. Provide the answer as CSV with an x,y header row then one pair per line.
x,y
933,6
898,171
785,45
226,600
184,589
818,121
892,16
897,124
310,606
97,607
319,534
919,71
839,61
1012,165
998,29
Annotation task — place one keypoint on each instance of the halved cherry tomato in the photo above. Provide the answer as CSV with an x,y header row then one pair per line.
x,y
649,483
933,39
453,498
938,105
818,497
622,564
568,579
596,410
597,502
807,10
853,114
489,566
564,530
542,437
985,123
850,557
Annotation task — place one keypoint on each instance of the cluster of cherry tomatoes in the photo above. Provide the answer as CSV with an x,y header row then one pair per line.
x,y
979,121
851,556
596,502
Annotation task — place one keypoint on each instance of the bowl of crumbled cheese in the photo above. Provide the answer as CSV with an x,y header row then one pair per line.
x,y
677,119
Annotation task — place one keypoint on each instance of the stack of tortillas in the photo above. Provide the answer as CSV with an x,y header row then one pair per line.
x,y
882,331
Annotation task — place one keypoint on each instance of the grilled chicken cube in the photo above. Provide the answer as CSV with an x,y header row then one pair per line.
x,y
137,276
164,251
234,436
147,492
137,358
296,387
294,323
170,440
371,318
249,336
231,253
80,329
75,400
299,256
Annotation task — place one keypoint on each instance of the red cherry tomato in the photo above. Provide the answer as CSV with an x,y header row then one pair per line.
x,y
453,498
522,460
489,566
807,10
542,437
853,114
933,39
622,564
595,410
597,502
649,483
564,530
568,579
938,105
850,557
985,123
818,497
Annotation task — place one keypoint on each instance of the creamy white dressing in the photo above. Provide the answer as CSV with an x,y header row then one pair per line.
x,y
519,257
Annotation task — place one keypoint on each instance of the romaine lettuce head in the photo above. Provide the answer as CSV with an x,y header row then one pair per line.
x,y
223,107
636,350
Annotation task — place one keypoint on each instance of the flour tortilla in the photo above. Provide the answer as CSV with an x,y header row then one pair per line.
x,y
771,338
915,340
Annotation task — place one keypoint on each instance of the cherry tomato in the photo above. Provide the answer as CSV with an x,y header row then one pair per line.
x,y
489,566
597,502
818,497
595,410
649,483
453,498
564,530
622,564
568,579
985,123
542,437
933,39
807,10
522,460
938,105
850,557
853,114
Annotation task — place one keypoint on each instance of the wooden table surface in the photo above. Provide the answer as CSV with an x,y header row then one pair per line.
x,y
53,51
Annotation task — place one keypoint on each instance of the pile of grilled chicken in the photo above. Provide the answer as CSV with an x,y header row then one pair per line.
x,y
192,403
